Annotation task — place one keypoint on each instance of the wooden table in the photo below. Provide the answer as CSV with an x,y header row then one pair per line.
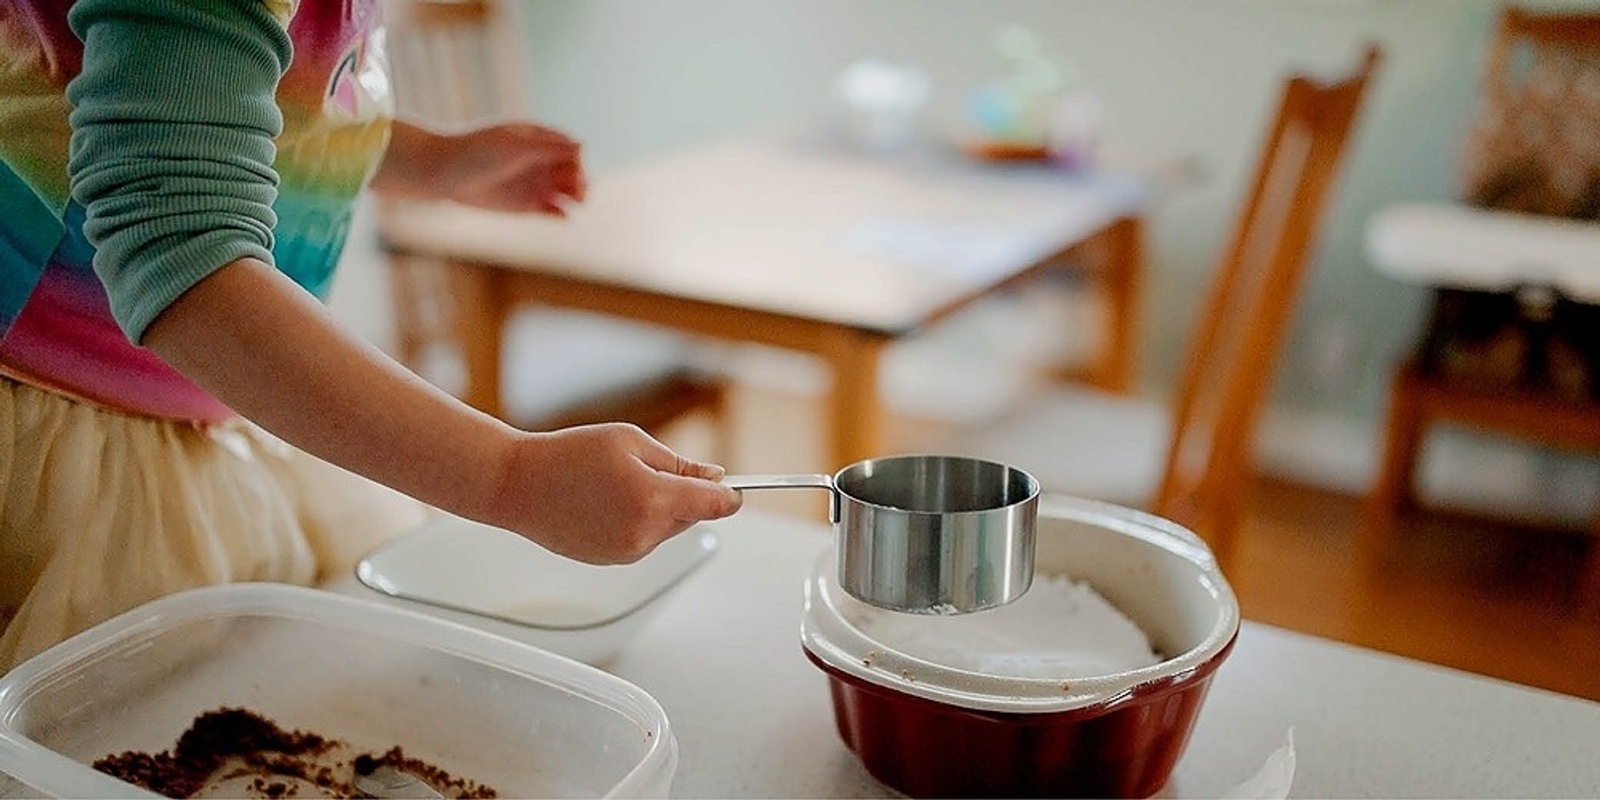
x,y
797,245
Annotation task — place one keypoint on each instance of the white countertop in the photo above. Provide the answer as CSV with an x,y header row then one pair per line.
x,y
753,717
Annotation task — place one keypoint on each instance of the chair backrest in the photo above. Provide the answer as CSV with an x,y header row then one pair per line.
x,y
461,62
452,63
1532,146
1232,354
455,60
1521,30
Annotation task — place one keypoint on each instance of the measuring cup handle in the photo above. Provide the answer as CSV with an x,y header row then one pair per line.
x,y
778,481
800,481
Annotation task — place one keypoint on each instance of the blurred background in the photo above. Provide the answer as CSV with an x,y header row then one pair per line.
x,y
632,79
1189,80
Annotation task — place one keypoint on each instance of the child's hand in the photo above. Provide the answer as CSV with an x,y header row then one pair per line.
x,y
515,166
605,494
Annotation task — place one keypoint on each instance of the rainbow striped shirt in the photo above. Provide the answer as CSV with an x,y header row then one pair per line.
x,y
145,144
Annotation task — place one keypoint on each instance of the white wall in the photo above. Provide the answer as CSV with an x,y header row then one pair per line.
x,y
1194,77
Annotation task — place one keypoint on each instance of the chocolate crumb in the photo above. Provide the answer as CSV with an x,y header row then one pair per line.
x,y
249,744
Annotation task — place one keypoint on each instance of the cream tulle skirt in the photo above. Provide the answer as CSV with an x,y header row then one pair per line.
x,y
102,511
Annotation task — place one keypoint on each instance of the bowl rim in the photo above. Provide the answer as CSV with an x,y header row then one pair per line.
x,y
830,640
47,770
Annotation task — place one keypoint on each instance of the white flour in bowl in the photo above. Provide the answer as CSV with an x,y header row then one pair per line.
x,y
1059,629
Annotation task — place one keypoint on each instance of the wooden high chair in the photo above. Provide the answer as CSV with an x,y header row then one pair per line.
x,y
1512,347
1190,462
453,61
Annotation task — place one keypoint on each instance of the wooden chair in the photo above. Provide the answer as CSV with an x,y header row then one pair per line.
x,y
455,62
1512,347
1190,461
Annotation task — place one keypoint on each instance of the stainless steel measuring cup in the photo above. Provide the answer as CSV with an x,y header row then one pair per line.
x,y
926,534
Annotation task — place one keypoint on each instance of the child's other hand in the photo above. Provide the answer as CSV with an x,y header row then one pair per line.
x,y
513,166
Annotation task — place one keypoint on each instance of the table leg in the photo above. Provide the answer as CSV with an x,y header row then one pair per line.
x,y
1393,490
1589,574
1122,271
479,321
855,424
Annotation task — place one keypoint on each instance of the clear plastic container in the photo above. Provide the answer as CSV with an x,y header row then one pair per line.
x,y
493,579
927,728
526,722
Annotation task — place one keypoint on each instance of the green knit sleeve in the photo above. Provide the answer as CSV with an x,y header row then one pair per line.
x,y
173,124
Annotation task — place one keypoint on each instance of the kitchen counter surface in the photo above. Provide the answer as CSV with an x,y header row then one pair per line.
x,y
753,717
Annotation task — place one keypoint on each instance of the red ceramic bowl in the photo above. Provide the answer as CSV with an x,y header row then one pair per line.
x,y
930,729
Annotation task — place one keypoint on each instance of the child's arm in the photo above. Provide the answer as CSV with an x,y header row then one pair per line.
x,y
267,348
